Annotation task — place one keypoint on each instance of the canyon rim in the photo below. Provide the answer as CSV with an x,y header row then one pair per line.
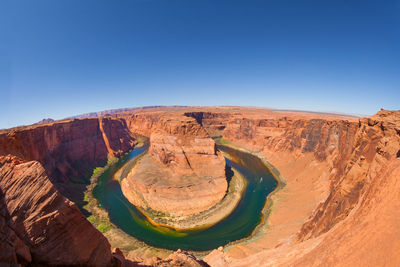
x,y
337,200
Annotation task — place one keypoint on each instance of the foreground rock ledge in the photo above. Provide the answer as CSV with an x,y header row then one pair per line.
x,y
182,174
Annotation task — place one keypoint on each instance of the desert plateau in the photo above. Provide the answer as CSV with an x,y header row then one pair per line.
x,y
333,198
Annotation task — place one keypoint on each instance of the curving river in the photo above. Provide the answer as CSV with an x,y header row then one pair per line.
x,y
239,224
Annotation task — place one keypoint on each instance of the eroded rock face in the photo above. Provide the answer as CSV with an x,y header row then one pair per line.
x,y
355,149
182,144
69,149
66,148
374,144
353,154
369,236
40,224
178,258
183,172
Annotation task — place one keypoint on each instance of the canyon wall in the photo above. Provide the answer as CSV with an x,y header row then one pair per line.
x,y
143,123
375,144
355,150
41,225
66,148
350,154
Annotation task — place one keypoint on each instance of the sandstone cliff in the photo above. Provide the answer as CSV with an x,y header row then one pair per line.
x,y
64,147
375,143
69,150
40,225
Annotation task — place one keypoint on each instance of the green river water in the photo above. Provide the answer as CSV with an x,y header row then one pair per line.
x,y
239,224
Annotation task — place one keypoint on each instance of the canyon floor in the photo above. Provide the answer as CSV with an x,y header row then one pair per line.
x,y
338,204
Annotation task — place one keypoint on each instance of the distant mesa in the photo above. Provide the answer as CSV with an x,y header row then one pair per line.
x,y
44,121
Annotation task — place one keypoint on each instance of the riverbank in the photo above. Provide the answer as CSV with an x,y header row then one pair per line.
x,y
132,247
263,226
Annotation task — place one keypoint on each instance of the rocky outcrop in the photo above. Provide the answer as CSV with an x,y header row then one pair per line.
x,y
183,145
13,250
143,123
178,258
183,172
370,234
41,226
69,150
39,223
374,144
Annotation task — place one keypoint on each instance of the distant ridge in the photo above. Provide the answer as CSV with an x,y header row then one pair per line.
x,y
114,111
323,112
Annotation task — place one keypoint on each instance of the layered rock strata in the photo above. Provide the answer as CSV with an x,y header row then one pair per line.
x,y
70,149
38,223
41,226
339,206
67,148
340,161
183,173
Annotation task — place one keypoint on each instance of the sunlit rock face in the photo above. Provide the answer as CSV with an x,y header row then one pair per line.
x,y
68,148
183,173
38,164
39,225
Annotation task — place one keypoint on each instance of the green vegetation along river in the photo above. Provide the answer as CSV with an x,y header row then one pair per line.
x,y
239,224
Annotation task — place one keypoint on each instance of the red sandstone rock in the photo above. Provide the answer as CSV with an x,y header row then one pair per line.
x,y
48,228
68,148
183,173
178,258
356,153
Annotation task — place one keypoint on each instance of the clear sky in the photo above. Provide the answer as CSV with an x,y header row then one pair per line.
x,y
67,57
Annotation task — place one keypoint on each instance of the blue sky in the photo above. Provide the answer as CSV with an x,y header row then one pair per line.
x,y
67,57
